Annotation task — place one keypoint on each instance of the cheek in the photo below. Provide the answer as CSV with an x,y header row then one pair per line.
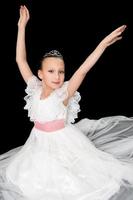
x,y
62,76
47,76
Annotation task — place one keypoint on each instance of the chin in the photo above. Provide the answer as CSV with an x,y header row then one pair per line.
x,y
58,86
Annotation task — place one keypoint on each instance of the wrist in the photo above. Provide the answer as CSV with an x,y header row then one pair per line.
x,y
22,26
102,45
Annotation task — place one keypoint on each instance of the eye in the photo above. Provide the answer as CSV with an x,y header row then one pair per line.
x,y
62,72
51,71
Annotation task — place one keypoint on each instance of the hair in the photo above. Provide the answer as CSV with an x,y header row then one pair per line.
x,y
51,54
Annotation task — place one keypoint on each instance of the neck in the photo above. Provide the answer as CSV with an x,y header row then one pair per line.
x,y
46,91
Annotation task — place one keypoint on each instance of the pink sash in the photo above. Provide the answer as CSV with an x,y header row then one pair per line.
x,y
50,125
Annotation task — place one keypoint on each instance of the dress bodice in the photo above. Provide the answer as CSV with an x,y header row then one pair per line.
x,y
52,107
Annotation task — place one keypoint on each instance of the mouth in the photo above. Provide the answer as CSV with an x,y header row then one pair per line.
x,y
56,82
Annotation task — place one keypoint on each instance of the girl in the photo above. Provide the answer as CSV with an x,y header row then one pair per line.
x,y
88,160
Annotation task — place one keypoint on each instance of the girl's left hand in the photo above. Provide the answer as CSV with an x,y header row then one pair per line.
x,y
113,36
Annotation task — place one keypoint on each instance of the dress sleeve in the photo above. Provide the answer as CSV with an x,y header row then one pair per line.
x,y
33,86
73,106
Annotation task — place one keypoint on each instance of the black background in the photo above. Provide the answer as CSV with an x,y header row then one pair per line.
x,y
75,30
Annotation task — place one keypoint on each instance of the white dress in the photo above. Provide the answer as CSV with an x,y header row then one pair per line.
x,y
87,160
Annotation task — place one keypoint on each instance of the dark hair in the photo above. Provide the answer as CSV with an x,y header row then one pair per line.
x,y
53,53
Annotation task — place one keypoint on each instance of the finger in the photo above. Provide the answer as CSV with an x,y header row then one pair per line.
x,y
26,8
21,6
116,39
27,11
21,11
121,28
113,41
24,11
119,38
118,32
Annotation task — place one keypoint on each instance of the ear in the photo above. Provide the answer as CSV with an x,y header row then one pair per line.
x,y
40,75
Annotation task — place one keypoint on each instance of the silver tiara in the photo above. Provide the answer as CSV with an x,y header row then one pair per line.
x,y
53,53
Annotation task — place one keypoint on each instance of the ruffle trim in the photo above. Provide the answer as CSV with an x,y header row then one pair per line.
x,y
73,107
33,85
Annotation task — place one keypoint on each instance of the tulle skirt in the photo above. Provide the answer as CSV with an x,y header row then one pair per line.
x,y
89,160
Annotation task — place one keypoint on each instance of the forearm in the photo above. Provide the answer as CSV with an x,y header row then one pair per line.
x,y
21,55
20,46
92,58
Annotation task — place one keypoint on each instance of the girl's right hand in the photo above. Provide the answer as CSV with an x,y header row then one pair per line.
x,y
24,16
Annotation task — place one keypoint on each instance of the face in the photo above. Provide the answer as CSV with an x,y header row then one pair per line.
x,y
52,72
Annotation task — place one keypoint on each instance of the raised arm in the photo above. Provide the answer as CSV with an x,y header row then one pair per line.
x,y
77,78
20,46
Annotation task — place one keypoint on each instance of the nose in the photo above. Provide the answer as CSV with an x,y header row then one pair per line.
x,y
57,76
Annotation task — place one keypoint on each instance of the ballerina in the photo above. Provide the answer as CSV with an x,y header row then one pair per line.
x,y
61,159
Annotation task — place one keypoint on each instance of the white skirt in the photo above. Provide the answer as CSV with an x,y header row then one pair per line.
x,y
90,160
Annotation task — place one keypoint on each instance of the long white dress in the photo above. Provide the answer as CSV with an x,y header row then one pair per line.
x,y
87,160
